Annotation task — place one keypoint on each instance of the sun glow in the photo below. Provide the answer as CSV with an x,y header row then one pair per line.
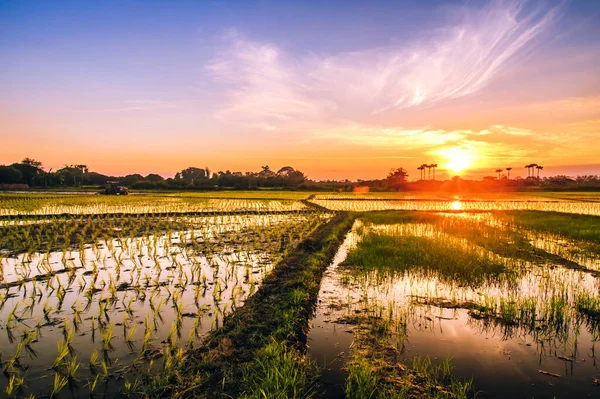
x,y
458,159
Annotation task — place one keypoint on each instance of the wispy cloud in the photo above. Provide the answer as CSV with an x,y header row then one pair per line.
x,y
507,130
391,137
262,86
266,86
490,145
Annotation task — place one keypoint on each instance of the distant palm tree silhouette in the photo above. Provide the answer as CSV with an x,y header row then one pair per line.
x,y
421,168
508,170
539,167
429,166
434,166
530,169
499,171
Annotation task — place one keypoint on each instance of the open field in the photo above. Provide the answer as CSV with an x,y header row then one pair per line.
x,y
81,204
291,295
455,205
445,196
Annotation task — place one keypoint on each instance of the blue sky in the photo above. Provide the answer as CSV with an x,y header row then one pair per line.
x,y
234,84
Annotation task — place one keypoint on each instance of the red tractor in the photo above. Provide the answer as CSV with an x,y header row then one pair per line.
x,y
113,188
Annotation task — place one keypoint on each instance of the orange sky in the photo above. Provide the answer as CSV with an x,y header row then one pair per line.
x,y
493,86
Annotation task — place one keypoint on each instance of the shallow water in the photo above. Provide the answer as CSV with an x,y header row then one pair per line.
x,y
157,285
90,205
584,208
503,361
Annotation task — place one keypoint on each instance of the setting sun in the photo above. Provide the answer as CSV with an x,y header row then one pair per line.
x,y
458,159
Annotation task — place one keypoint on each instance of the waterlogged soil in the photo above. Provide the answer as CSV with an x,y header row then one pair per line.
x,y
456,205
328,342
545,360
12,206
147,294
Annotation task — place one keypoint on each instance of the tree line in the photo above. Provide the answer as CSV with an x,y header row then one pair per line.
x,y
31,173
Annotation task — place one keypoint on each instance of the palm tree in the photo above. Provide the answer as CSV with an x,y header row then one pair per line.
x,y
530,167
499,171
434,166
539,167
429,166
421,168
508,170
533,166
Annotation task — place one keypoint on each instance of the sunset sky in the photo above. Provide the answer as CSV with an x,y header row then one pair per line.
x,y
336,89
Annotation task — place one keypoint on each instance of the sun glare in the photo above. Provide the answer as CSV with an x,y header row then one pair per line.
x,y
458,159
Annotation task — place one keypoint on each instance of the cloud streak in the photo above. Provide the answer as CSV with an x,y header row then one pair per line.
x,y
268,87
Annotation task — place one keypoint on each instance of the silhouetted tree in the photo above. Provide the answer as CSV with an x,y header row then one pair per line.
x,y
190,174
31,171
291,176
10,175
421,169
81,168
153,177
130,180
508,170
396,178
266,172
32,162
530,169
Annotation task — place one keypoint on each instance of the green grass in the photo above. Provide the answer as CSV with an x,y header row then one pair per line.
x,y
506,241
572,226
253,194
589,306
402,253
395,217
499,241
267,331
278,372
362,379
593,196
375,371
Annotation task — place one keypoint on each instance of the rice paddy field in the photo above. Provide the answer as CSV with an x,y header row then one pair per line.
x,y
298,295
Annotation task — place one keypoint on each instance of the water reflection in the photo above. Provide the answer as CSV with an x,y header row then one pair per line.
x,y
535,324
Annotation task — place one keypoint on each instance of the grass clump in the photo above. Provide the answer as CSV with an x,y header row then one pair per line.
x,y
510,243
572,226
279,373
375,372
401,253
589,306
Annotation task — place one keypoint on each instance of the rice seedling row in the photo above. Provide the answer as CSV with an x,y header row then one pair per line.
x,y
472,288
575,207
88,303
179,297
13,205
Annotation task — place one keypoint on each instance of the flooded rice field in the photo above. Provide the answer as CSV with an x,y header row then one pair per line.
x,y
510,311
454,205
16,205
86,303
426,296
